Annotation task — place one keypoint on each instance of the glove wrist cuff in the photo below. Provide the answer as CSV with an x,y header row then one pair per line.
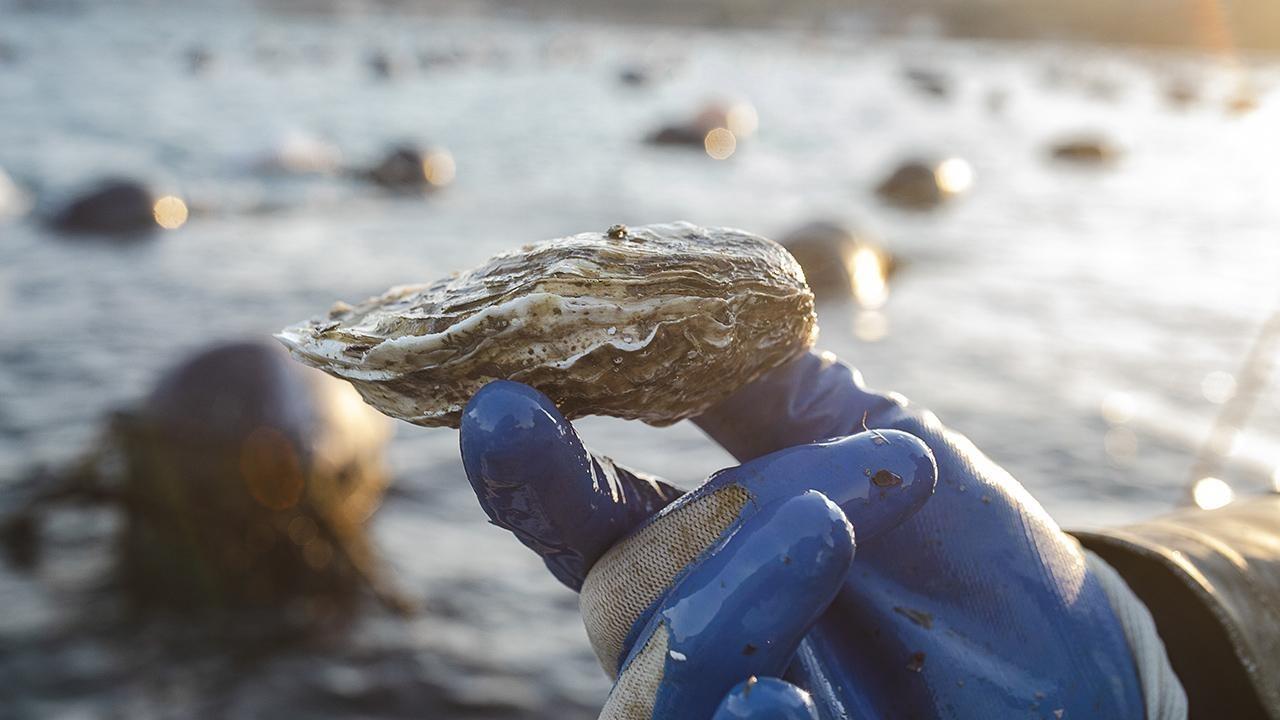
x,y
1162,693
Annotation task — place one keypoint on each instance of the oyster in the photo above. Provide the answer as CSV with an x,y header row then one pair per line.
x,y
655,323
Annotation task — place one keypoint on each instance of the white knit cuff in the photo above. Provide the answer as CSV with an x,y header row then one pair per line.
x,y
1161,691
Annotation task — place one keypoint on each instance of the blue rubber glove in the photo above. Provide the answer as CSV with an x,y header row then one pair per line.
x,y
977,606
718,586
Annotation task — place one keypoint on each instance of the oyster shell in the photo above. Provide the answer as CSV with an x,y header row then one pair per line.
x,y
655,323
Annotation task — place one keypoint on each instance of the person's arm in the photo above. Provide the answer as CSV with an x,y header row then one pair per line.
x,y
1211,580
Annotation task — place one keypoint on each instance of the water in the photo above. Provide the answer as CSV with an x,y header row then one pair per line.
x,y
1043,292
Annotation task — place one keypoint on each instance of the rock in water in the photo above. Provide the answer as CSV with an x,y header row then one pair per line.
x,y
1085,150
839,264
248,480
655,323
914,186
928,82
409,168
740,119
114,206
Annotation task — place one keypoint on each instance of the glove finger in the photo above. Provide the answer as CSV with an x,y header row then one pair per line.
x,y
766,698
811,398
739,611
878,479
533,477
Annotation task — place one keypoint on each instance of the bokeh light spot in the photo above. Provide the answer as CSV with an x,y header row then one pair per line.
x,y
170,212
869,275
720,143
1218,387
741,120
954,175
439,168
1210,493
302,529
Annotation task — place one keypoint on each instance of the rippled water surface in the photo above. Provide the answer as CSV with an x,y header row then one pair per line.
x,y
1019,311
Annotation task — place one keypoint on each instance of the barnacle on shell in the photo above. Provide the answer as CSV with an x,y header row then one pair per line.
x,y
655,323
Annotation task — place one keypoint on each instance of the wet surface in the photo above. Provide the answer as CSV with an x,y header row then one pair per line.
x,y
1065,320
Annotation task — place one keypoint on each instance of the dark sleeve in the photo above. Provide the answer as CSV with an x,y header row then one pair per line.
x,y
1211,580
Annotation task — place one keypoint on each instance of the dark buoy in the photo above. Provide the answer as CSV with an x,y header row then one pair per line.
x,y
838,264
923,185
115,206
1085,150
410,168
247,482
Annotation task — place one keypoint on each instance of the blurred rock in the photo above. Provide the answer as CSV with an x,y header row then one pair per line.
x,y
635,76
247,482
914,185
19,536
738,118
198,59
383,65
410,168
1181,93
928,82
1085,150
683,134
115,206
830,254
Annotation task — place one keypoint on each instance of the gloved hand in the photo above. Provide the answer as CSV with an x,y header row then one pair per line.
x,y
717,587
976,606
